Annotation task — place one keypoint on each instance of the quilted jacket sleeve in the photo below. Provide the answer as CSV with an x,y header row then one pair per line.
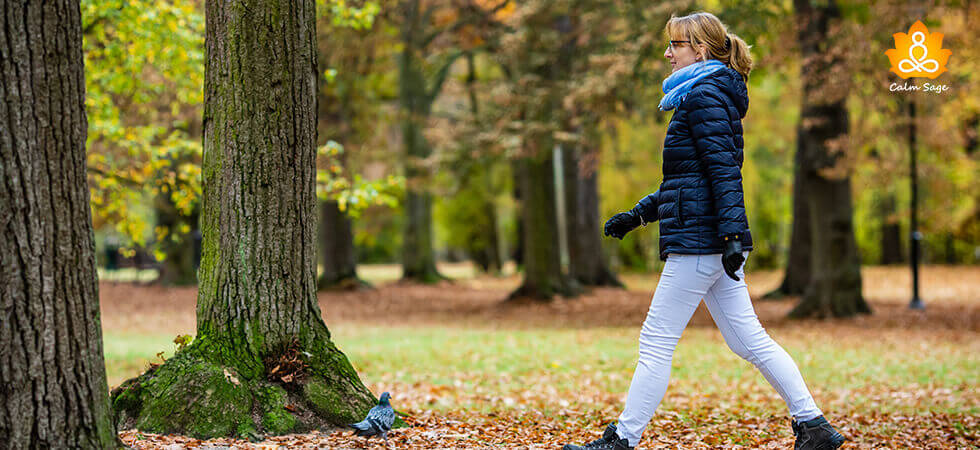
x,y
647,207
714,141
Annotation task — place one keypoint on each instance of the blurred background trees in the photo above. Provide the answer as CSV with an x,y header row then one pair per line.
x,y
505,133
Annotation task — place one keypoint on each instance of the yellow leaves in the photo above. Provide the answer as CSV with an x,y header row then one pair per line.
x,y
161,232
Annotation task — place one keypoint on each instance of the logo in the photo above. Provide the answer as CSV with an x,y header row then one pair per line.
x,y
918,53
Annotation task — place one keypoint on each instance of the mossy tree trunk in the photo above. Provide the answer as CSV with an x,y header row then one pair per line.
x,y
52,372
261,342
834,289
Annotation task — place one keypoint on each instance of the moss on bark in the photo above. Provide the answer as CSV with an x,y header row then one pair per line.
x,y
193,395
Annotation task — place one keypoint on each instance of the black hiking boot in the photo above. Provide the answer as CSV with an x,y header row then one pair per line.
x,y
816,434
609,441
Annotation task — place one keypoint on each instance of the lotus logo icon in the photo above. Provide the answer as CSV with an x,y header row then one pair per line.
x,y
918,53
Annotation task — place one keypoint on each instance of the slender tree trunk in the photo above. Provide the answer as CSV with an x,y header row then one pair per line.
x,y
891,232
261,342
797,275
334,230
587,264
517,253
52,371
337,249
835,278
179,266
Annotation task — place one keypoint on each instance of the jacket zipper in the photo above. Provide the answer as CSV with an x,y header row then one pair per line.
x,y
680,213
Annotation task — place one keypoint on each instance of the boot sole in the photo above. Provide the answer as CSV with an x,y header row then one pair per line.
x,y
834,444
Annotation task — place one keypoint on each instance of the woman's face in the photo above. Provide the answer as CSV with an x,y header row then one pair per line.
x,y
680,54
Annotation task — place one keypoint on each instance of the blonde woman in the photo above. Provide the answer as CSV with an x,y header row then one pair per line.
x,y
704,234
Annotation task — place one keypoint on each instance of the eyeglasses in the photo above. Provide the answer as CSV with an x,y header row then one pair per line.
x,y
673,44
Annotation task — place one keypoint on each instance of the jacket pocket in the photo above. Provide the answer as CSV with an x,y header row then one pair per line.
x,y
680,207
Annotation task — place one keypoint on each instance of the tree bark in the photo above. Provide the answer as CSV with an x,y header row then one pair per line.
x,y
52,371
261,341
587,263
835,278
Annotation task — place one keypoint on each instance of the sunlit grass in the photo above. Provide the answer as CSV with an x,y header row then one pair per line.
x,y
892,371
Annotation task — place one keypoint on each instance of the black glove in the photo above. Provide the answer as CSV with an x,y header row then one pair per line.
x,y
732,257
617,226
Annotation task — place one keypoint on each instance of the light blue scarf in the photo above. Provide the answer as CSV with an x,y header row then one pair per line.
x,y
679,83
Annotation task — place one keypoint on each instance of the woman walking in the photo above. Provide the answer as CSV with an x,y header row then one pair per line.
x,y
704,234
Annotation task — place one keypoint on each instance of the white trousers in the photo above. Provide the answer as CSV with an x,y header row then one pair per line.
x,y
685,280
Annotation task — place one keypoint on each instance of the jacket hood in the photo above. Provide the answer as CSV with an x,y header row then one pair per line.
x,y
730,82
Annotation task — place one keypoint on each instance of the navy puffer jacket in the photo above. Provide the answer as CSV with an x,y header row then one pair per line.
x,y
700,199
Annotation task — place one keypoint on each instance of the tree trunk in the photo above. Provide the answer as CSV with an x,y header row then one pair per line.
x,y
797,275
52,371
418,253
261,341
587,264
487,254
543,277
179,266
337,249
835,278
891,232
517,253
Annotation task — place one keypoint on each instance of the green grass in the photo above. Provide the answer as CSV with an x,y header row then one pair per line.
x,y
884,371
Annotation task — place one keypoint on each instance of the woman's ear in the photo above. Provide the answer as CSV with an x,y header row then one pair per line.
x,y
703,51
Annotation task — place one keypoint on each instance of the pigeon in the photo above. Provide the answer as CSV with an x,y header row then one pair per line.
x,y
378,421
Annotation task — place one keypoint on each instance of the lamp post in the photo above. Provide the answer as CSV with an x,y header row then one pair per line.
x,y
916,302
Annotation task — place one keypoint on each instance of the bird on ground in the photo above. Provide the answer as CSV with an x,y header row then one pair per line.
x,y
378,421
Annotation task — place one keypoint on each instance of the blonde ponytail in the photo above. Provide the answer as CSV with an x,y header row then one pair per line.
x,y
739,57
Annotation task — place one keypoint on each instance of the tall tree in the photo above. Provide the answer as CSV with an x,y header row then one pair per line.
x,y
796,277
261,342
356,57
426,26
835,265
533,60
417,93
587,264
52,371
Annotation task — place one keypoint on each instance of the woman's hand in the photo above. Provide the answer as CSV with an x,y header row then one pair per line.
x,y
617,226
732,257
